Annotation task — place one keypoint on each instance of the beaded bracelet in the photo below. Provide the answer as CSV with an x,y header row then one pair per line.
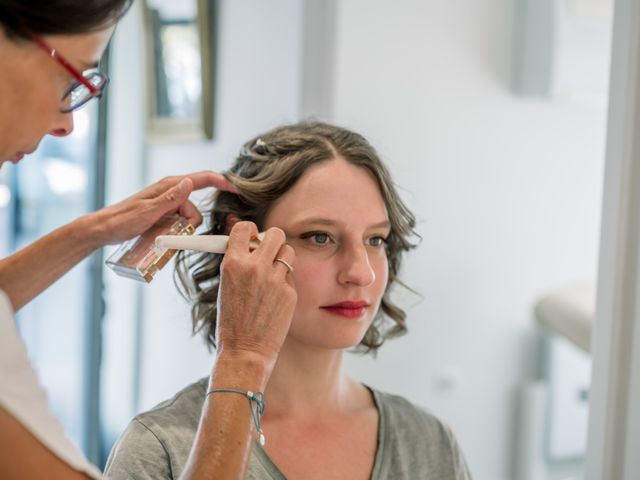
x,y
256,406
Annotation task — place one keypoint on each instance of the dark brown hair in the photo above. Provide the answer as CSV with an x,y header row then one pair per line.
x,y
267,167
59,17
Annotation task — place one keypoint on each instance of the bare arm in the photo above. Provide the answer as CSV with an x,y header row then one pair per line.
x,y
23,457
31,270
255,307
222,445
25,274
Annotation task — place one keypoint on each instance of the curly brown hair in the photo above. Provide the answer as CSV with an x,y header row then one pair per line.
x,y
267,167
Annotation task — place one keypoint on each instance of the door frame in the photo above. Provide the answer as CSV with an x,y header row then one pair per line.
x,y
613,449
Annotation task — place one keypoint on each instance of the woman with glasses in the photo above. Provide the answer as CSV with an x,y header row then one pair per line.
x,y
49,54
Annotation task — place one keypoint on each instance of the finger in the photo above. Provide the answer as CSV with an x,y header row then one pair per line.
x,y
284,259
189,211
200,180
173,198
239,237
273,239
211,179
159,187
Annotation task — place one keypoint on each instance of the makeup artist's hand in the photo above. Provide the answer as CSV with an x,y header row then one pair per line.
x,y
257,297
136,214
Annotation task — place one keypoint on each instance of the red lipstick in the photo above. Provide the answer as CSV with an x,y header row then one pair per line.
x,y
348,309
16,157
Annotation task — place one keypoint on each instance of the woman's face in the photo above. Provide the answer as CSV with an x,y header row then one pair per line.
x,y
336,220
32,85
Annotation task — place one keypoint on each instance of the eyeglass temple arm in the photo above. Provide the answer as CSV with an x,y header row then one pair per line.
x,y
65,64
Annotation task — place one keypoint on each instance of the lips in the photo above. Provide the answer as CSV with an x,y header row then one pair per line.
x,y
348,309
16,157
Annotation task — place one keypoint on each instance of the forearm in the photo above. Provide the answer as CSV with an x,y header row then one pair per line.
x,y
24,457
28,272
223,442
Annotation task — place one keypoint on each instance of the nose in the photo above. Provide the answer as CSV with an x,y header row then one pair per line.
x,y
356,268
63,125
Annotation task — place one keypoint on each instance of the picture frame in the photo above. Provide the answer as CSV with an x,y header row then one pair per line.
x,y
180,56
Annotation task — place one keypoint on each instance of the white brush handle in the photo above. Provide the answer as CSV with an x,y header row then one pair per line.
x,y
200,243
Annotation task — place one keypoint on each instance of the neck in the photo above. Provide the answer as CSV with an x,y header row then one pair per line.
x,y
308,380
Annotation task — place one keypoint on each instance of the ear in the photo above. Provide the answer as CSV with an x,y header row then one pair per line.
x,y
231,221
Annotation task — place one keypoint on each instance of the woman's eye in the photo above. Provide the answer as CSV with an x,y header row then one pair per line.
x,y
317,238
320,238
377,241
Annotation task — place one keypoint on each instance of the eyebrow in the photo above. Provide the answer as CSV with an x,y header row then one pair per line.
x,y
331,223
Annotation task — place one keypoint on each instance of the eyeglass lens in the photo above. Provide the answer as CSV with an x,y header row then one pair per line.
x,y
80,94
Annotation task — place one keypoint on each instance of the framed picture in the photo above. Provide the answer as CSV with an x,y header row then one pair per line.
x,y
180,51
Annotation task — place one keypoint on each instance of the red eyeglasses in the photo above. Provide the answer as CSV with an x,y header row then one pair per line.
x,y
89,84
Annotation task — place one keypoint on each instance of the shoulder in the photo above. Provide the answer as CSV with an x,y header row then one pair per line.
x,y
156,443
416,440
404,415
180,412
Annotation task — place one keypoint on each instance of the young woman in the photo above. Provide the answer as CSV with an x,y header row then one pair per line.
x,y
49,52
281,317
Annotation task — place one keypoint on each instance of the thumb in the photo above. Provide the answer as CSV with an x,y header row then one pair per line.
x,y
175,196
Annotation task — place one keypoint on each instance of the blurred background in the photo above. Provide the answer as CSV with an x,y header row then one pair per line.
x,y
491,115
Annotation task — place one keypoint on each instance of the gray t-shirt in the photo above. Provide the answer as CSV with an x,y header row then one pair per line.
x,y
412,443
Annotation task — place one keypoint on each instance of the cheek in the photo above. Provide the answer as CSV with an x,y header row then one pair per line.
x,y
36,92
380,266
41,107
310,277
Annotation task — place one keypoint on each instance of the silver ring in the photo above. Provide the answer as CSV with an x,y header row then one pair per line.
x,y
285,263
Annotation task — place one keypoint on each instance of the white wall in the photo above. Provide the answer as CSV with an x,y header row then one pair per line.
x,y
507,194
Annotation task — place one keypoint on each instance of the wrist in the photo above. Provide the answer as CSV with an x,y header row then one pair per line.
x,y
243,370
86,231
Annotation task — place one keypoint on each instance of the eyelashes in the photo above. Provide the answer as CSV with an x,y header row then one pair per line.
x,y
317,238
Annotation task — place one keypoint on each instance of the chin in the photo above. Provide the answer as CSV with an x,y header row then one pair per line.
x,y
343,345
329,333
330,340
